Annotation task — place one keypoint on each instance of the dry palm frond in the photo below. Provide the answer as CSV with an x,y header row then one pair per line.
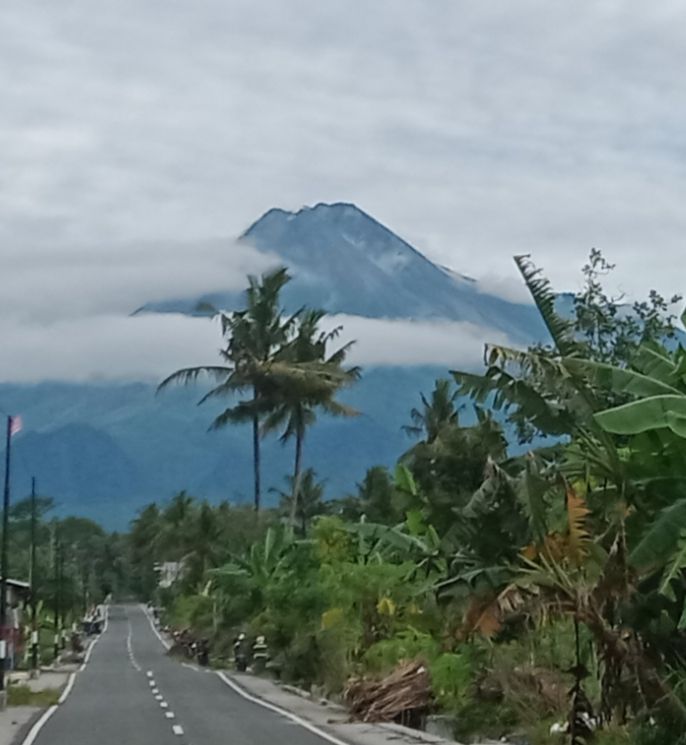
x,y
407,689
579,538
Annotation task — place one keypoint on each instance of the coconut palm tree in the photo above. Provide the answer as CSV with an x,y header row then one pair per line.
x,y
175,520
321,376
203,543
253,336
310,499
436,415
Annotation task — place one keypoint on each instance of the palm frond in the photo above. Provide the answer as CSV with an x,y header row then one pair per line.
x,y
337,409
192,374
234,383
561,331
241,413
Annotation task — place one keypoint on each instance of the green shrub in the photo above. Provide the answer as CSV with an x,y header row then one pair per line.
x,y
451,680
407,644
194,611
657,734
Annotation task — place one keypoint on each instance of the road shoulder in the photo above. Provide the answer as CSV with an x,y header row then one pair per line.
x,y
330,718
16,721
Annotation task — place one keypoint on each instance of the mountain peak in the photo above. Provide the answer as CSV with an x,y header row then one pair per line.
x,y
340,234
322,212
346,262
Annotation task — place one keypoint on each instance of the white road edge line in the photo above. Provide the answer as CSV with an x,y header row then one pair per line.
x,y
283,712
164,642
91,647
67,689
38,726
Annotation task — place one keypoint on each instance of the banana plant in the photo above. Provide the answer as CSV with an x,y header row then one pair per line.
x,y
263,563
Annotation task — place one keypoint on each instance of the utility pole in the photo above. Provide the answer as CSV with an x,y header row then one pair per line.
x,y
4,559
85,578
56,570
34,583
63,605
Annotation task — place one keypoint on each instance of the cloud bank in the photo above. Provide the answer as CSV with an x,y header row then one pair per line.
x,y
46,285
388,341
151,346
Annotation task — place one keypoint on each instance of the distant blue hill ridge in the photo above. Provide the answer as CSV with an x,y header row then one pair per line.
x,y
104,450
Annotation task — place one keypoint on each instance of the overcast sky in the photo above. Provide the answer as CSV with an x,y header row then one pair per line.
x,y
133,130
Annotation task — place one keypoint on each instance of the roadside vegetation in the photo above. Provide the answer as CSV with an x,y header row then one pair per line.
x,y
528,549
22,695
525,556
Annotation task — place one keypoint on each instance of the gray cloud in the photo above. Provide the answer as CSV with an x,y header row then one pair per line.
x,y
388,341
41,284
105,347
150,346
508,287
493,125
475,130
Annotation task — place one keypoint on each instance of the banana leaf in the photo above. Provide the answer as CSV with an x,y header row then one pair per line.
x,y
645,414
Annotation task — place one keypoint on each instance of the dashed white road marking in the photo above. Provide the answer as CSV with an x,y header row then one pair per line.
x,y
159,697
151,683
169,714
164,704
155,691
149,673
244,694
177,729
129,648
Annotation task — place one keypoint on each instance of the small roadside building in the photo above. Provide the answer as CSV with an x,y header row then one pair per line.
x,y
169,572
18,596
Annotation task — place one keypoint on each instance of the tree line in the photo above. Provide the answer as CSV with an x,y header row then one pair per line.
x,y
76,565
283,364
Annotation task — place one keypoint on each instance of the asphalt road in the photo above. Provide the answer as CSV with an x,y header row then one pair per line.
x,y
132,693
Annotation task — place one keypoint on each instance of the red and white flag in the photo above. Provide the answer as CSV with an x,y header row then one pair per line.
x,y
15,425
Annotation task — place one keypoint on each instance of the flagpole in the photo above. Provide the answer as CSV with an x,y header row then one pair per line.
x,y
4,560
34,584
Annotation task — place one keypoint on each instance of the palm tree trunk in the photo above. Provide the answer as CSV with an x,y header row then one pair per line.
x,y
256,458
299,437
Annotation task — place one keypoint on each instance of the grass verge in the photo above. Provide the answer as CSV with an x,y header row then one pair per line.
x,y
22,695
